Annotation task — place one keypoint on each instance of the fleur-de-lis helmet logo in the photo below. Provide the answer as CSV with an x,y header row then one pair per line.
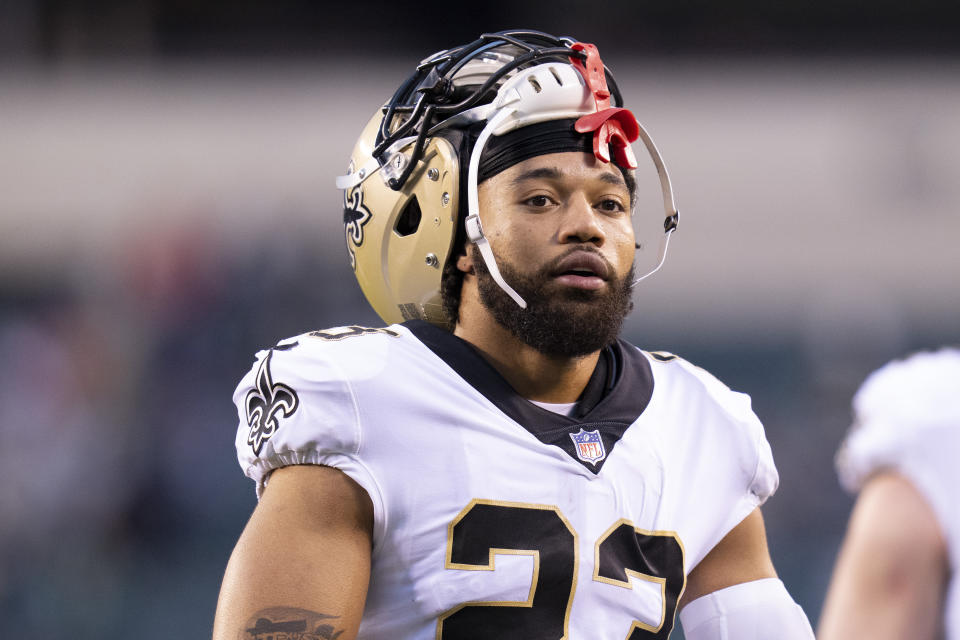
x,y
355,215
264,402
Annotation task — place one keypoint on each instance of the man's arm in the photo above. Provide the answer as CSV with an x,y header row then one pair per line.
x,y
742,556
303,560
734,592
891,573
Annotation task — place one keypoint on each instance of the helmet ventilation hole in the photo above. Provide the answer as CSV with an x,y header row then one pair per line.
x,y
536,85
409,219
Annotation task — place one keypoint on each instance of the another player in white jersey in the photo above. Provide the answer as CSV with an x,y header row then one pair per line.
x,y
896,576
496,463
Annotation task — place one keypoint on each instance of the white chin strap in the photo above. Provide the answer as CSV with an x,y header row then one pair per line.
x,y
475,229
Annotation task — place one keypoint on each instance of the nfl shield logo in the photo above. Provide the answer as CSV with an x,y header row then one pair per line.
x,y
589,446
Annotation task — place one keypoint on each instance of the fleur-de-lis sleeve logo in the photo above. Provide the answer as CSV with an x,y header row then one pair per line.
x,y
264,402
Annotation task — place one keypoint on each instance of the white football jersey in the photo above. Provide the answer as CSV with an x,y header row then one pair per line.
x,y
907,419
496,518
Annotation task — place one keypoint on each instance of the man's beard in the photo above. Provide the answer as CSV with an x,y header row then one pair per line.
x,y
559,321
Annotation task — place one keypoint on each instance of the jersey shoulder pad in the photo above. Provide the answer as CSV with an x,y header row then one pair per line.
x,y
904,408
722,438
296,404
692,379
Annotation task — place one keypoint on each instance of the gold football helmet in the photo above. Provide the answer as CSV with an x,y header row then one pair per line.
x,y
410,192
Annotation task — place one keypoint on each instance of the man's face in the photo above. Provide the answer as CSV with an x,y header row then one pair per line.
x,y
560,228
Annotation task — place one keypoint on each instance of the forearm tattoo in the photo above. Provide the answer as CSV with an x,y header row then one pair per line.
x,y
283,623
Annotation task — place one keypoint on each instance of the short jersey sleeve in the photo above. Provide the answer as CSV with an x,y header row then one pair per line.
x,y
717,456
296,407
739,424
907,419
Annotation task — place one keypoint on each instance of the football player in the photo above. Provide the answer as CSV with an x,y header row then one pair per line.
x,y
896,575
496,463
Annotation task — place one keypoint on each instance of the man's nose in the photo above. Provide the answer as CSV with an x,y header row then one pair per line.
x,y
580,222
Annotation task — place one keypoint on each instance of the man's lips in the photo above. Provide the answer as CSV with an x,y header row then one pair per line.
x,y
583,270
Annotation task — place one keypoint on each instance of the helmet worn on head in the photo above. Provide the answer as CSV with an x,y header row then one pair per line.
x,y
410,192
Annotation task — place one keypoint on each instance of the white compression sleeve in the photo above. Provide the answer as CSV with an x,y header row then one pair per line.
x,y
758,610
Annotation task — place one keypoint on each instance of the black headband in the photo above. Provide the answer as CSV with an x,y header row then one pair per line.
x,y
553,136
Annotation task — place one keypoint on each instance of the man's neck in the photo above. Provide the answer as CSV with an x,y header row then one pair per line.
x,y
531,373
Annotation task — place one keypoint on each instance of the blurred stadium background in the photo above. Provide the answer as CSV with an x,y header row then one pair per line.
x,y
167,208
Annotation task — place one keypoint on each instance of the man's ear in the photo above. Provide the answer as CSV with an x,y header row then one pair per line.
x,y
465,261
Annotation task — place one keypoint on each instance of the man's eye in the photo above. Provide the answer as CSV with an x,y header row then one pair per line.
x,y
538,201
611,205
